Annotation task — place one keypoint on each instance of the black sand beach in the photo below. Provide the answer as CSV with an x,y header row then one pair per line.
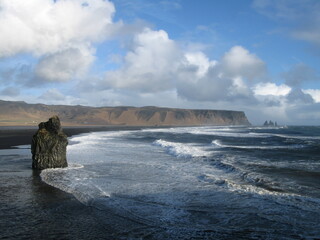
x,y
31,209
14,136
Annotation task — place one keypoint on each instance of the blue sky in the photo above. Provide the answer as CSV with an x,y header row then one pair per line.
x,y
259,56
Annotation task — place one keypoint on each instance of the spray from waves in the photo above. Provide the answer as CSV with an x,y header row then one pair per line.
x,y
218,143
181,150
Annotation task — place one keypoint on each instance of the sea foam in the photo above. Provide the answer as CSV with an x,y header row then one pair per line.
x,y
221,145
181,150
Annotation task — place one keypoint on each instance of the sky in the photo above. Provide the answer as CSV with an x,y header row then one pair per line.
x,y
257,56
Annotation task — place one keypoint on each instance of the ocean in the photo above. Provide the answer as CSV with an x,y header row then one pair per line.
x,y
198,182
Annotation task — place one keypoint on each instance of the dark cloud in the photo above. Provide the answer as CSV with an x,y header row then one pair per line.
x,y
298,97
20,74
52,95
306,114
299,74
10,92
210,87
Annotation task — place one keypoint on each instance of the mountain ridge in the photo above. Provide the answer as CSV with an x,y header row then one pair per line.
x,y
20,113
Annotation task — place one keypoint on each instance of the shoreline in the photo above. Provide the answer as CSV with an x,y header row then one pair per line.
x,y
16,135
11,136
31,208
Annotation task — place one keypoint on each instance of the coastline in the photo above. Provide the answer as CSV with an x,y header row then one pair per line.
x,y
11,136
32,209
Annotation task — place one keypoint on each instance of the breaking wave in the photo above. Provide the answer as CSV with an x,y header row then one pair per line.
x,y
218,143
181,150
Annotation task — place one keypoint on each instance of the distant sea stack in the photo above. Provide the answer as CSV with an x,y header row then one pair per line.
x,y
22,114
49,146
270,124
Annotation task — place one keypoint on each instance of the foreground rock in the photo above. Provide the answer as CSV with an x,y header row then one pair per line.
x,y
49,146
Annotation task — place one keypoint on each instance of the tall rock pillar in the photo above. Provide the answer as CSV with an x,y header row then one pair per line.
x,y
49,145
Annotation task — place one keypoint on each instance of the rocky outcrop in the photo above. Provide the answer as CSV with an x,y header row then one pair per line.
x,y
270,124
49,146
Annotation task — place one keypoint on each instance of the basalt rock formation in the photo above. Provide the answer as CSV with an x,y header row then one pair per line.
x,y
270,124
49,146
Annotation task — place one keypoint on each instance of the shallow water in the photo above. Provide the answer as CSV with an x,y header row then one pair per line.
x,y
198,182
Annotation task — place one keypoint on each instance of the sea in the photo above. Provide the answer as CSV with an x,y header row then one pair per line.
x,y
226,182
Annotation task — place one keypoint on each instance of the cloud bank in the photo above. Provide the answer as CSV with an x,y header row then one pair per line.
x,y
60,42
45,26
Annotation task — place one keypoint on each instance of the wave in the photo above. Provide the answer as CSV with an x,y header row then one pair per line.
x,y
74,180
233,131
268,128
296,137
261,188
70,167
218,143
282,197
286,136
189,130
94,138
181,150
239,132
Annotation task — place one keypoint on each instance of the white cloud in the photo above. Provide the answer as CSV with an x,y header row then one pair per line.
x,y
149,66
202,79
239,62
200,61
63,65
155,63
315,94
265,89
239,88
45,26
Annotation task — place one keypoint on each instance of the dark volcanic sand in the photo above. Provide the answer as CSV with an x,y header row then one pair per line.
x,y
14,136
31,209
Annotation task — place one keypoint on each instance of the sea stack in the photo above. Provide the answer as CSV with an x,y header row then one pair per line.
x,y
49,145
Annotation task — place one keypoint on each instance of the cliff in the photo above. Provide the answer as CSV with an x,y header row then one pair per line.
x,y
21,114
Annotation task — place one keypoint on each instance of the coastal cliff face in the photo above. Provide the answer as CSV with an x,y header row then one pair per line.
x,y
21,113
